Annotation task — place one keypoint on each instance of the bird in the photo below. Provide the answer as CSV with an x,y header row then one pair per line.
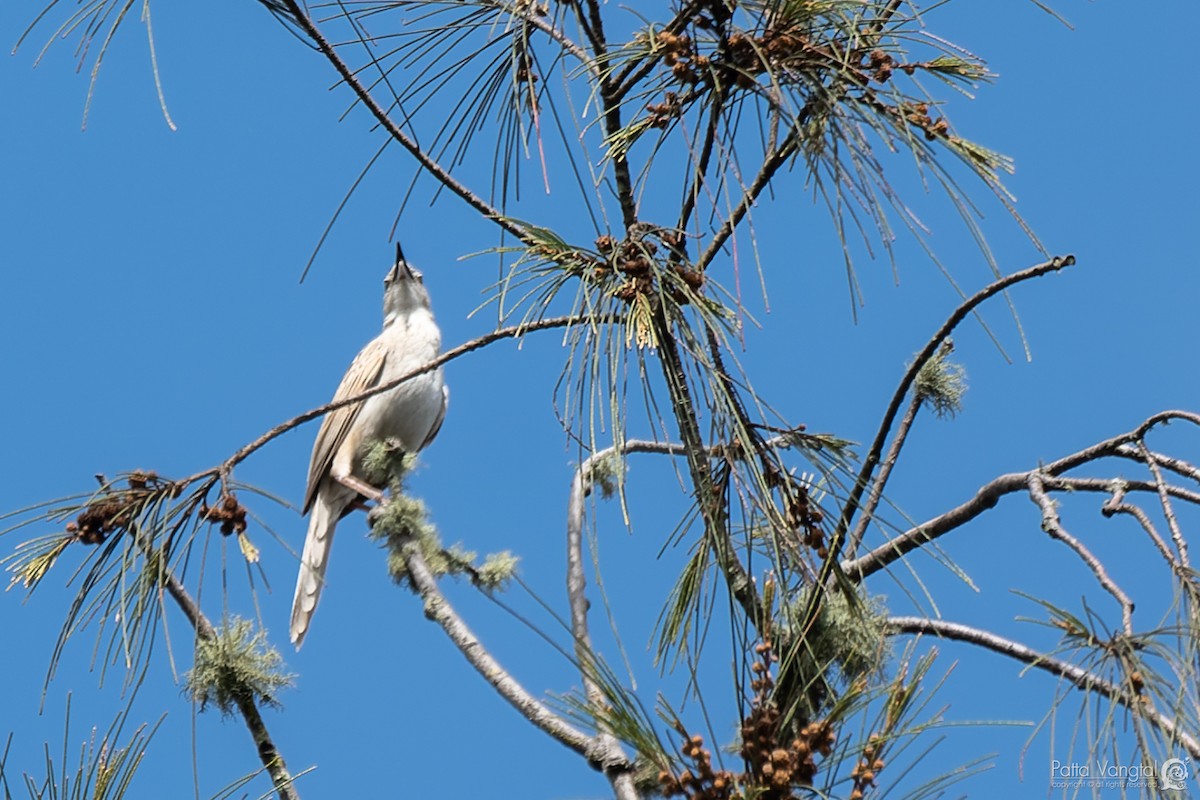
x,y
411,415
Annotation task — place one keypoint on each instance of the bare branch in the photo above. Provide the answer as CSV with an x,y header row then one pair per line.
x,y
931,347
1169,513
1052,525
985,499
581,485
885,472
1177,465
577,579
1082,679
1117,505
1165,418
990,493
604,755
1105,485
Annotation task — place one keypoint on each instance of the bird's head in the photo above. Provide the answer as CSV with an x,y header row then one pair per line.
x,y
403,289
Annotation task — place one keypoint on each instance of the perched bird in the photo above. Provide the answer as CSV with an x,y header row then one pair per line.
x,y
410,414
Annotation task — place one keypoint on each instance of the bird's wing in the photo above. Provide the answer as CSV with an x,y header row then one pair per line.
x,y
441,417
363,374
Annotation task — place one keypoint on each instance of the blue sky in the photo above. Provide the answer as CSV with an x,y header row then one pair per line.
x,y
151,317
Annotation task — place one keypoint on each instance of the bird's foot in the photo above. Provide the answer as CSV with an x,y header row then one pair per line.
x,y
363,488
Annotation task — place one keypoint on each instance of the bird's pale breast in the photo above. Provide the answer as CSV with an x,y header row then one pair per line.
x,y
409,411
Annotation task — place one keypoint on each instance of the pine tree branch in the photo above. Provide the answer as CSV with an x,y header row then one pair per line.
x,y
709,498
906,382
427,162
603,753
581,487
1052,525
591,20
268,753
700,173
1052,477
1081,678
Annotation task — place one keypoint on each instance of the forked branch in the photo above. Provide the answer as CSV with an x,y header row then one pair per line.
x,y
1081,678
863,479
601,752
1053,478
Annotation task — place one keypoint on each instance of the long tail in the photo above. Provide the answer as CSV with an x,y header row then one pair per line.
x,y
313,562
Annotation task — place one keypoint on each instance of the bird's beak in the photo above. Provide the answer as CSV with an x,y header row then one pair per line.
x,y
402,266
401,269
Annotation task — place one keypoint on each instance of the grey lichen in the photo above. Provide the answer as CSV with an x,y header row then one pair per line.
x,y
386,463
606,473
851,634
237,664
941,384
402,522
497,570
453,560
845,644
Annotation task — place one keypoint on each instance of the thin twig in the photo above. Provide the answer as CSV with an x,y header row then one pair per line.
x,y
1052,525
702,161
1117,505
408,143
1168,512
608,759
1080,677
889,417
885,471
990,493
766,172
